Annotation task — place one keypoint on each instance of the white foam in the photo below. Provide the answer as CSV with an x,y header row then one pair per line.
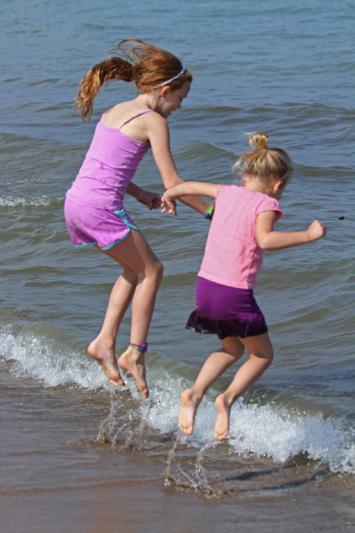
x,y
275,432
11,202
267,430
41,358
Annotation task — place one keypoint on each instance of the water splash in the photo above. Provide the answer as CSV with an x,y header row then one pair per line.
x,y
268,430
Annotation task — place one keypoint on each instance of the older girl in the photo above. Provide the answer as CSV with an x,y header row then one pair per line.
x,y
94,205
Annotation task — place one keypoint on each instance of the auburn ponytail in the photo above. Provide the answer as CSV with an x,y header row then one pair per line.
x,y
114,68
134,60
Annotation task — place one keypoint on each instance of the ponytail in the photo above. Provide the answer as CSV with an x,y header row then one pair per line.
x,y
135,60
114,68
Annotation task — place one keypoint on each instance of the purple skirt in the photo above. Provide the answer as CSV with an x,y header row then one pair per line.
x,y
225,311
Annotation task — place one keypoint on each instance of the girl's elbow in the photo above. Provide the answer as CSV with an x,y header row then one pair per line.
x,y
264,244
266,241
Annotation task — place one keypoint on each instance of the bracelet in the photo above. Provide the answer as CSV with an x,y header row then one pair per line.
x,y
209,213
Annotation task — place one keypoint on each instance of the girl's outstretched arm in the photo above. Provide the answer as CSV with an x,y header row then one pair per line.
x,y
186,189
158,134
268,239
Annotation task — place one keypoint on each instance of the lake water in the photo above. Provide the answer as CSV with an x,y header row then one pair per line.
x,y
76,454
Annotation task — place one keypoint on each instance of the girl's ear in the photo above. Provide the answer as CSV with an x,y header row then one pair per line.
x,y
278,186
164,91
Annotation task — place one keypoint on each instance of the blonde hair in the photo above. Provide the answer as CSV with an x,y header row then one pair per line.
x,y
264,163
135,60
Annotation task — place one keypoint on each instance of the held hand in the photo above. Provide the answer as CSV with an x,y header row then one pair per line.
x,y
316,230
168,205
150,199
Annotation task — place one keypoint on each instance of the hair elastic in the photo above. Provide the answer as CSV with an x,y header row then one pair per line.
x,y
142,348
176,77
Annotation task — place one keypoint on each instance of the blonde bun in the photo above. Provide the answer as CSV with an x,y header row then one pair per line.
x,y
259,139
264,162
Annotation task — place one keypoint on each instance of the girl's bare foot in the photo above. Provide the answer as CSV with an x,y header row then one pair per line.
x,y
221,429
106,358
189,402
132,361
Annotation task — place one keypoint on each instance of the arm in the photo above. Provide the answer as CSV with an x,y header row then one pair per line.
x,y
134,190
193,188
188,188
268,239
158,134
150,199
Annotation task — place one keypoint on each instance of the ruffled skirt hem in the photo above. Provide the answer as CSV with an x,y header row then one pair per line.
x,y
229,327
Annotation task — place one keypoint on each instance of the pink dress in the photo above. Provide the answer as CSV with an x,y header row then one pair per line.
x,y
225,303
94,210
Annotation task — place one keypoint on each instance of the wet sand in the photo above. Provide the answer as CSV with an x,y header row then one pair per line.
x,y
70,463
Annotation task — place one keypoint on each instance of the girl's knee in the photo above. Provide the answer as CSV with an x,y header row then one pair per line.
x,y
153,271
160,269
156,270
260,347
266,355
269,358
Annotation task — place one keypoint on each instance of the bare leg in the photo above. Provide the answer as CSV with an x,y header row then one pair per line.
x,y
141,268
260,357
149,273
102,348
213,367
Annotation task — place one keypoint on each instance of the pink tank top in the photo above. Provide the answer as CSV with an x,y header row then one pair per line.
x,y
109,165
232,255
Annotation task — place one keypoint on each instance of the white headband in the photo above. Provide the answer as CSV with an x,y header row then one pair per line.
x,y
176,77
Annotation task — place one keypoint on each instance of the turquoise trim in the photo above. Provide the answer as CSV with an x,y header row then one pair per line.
x,y
104,248
83,244
121,213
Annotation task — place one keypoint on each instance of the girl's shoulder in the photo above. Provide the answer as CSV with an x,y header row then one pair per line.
x,y
156,126
227,193
126,111
228,189
245,196
133,120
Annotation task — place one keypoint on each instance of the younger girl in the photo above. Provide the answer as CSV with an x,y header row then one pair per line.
x,y
94,205
241,228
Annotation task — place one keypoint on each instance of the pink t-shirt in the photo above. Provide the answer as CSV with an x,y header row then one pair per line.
x,y
232,254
